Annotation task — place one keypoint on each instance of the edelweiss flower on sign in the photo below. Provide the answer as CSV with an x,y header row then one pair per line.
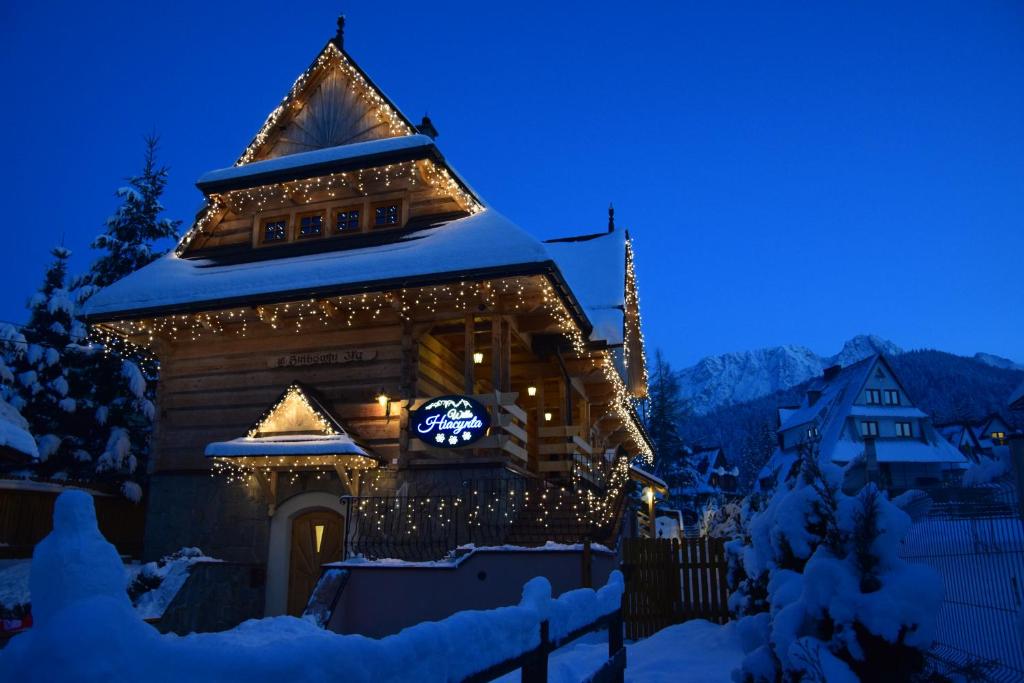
x,y
450,421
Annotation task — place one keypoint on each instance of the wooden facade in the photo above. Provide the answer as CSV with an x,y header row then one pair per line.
x,y
395,321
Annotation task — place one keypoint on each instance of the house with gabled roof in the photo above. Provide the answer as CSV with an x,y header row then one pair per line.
x,y
372,361
861,418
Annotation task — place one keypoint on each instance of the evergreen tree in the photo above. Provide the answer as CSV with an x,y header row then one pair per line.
x,y
664,408
42,390
133,230
120,381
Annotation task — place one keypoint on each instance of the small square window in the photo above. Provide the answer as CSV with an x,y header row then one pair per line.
x,y
892,397
869,428
275,229
311,225
904,429
347,220
387,214
874,397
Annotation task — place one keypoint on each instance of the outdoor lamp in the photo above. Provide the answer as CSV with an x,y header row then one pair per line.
x,y
478,358
532,391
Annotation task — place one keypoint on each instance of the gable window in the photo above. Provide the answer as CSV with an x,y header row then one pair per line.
x,y
999,438
311,225
275,229
812,432
892,397
387,214
869,428
903,429
874,397
348,219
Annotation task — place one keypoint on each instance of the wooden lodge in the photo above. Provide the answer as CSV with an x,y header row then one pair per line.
x,y
358,355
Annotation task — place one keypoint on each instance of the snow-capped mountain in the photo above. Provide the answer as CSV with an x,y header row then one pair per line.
x,y
736,377
998,361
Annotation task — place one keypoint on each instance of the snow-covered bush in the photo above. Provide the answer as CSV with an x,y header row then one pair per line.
x,y
841,605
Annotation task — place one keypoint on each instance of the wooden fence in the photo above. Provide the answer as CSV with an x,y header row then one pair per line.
x,y
26,516
534,664
668,582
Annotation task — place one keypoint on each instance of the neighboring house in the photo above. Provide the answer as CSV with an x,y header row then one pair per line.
x,y
849,412
375,361
703,474
992,431
962,435
16,442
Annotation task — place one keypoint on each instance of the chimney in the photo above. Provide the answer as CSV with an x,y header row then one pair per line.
x,y
426,127
831,372
611,218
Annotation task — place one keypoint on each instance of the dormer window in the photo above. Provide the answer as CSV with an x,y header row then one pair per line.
x,y
311,225
892,397
347,220
275,229
874,397
904,429
387,214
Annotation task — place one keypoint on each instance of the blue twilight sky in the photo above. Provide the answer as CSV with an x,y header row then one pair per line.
x,y
791,172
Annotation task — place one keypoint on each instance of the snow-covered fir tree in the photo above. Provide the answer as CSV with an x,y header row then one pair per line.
x,y
824,593
131,234
43,372
120,379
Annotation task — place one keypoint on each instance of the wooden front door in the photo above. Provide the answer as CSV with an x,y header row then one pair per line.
x,y
316,539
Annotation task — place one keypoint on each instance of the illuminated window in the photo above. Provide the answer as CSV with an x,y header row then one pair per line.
x,y
904,429
869,428
999,437
874,397
892,397
275,229
319,529
347,219
311,225
387,214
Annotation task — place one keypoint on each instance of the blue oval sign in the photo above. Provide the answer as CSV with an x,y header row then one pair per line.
x,y
450,421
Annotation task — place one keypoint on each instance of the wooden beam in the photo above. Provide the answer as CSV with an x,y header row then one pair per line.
x,y
469,332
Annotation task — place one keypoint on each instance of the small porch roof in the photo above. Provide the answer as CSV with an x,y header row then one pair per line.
x,y
285,446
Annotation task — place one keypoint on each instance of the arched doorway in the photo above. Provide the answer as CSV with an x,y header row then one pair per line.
x,y
279,555
316,539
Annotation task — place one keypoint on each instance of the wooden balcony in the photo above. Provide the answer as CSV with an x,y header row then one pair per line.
x,y
563,449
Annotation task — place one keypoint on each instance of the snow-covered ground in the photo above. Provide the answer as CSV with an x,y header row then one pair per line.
x,y
697,651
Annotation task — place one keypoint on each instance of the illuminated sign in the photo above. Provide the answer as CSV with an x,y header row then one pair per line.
x,y
450,421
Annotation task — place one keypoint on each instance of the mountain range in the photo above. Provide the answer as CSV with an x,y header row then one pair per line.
x,y
734,397
732,378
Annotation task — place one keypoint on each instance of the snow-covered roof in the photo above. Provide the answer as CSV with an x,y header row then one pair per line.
x,y
1016,401
887,411
14,432
481,242
595,269
640,473
293,445
319,162
900,450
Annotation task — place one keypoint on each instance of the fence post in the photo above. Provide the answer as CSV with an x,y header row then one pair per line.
x,y
1017,456
615,642
587,578
536,670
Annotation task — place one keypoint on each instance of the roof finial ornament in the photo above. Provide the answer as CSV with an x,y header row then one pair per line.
x,y
611,217
339,37
426,127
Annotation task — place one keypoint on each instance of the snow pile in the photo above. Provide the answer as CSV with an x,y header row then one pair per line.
x,y
840,604
156,583
14,431
14,593
85,629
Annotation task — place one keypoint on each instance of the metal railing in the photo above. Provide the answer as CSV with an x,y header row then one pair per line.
x,y
975,541
489,512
